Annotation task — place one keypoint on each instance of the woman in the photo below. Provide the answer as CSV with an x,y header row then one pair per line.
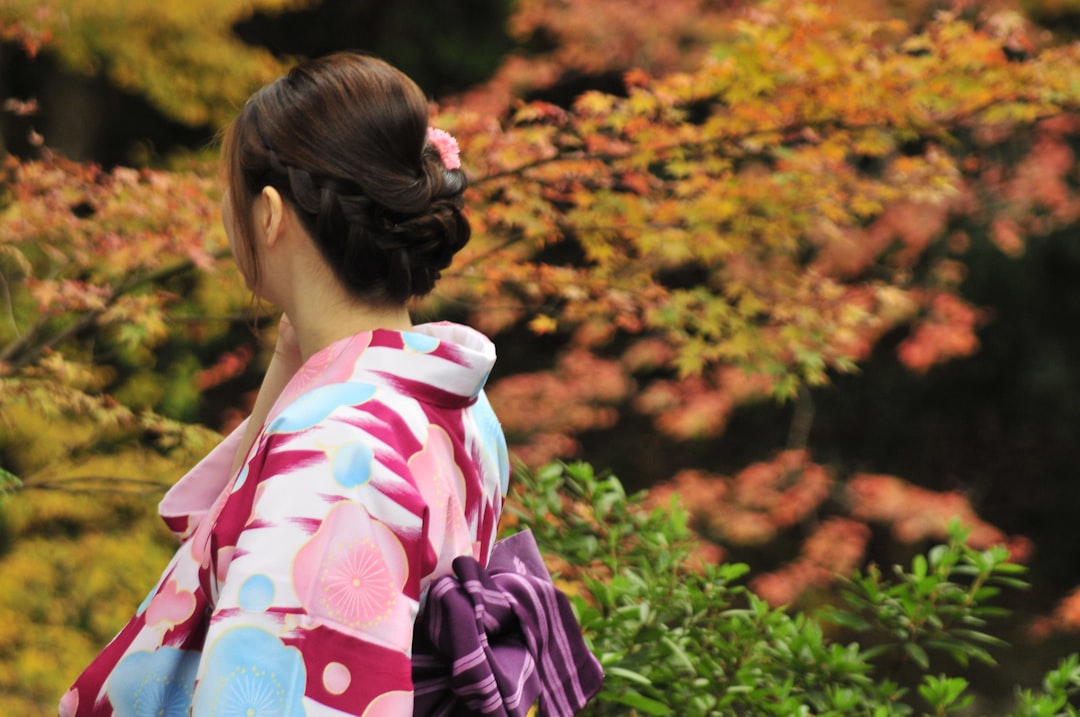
x,y
372,459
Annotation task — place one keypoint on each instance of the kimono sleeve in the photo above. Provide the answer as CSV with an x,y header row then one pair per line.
x,y
317,597
184,506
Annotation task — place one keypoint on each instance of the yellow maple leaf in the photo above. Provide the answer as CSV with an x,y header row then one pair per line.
x,y
543,324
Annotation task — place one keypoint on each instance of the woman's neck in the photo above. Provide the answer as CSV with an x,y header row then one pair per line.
x,y
323,312
296,278
326,314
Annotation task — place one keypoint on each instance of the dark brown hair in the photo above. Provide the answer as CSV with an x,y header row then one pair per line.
x,y
343,138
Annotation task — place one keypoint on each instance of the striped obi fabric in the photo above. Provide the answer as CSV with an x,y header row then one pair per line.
x,y
498,641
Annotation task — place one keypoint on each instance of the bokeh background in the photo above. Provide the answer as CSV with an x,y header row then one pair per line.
x,y
811,266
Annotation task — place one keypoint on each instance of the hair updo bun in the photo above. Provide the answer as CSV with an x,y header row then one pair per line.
x,y
343,138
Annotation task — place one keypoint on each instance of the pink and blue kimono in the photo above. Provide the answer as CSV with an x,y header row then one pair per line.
x,y
299,578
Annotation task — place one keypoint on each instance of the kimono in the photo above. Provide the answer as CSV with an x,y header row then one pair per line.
x,y
298,579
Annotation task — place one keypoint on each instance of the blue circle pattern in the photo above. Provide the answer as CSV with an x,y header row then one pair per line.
x,y
146,601
315,405
494,440
256,593
241,478
421,343
352,464
251,672
153,684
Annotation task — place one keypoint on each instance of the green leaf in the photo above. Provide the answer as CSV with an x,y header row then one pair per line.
x,y
628,675
844,618
917,654
918,566
9,482
632,698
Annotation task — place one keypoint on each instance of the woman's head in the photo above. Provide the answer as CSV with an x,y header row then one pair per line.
x,y
343,139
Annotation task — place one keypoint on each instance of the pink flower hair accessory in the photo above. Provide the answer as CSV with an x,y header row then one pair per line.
x,y
447,146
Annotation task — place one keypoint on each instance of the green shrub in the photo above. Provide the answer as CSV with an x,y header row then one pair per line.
x,y
677,637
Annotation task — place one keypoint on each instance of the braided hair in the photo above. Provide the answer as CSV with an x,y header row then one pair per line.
x,y
343,138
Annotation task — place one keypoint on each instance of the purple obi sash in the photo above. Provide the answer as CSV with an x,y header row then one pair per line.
x,y
494,641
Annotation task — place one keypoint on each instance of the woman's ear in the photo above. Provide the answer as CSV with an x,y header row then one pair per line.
x,y
270,215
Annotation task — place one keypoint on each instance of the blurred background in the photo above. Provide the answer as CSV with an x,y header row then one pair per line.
x,y
811,266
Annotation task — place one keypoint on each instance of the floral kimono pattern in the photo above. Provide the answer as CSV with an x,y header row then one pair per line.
x,y
298,580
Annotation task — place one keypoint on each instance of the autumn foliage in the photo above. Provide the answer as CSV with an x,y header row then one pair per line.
x,y
757,225
757,197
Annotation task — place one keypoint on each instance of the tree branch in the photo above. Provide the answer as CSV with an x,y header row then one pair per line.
x,y
23,352
70,485
941,122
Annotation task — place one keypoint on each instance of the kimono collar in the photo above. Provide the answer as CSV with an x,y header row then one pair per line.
x,y
443,364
